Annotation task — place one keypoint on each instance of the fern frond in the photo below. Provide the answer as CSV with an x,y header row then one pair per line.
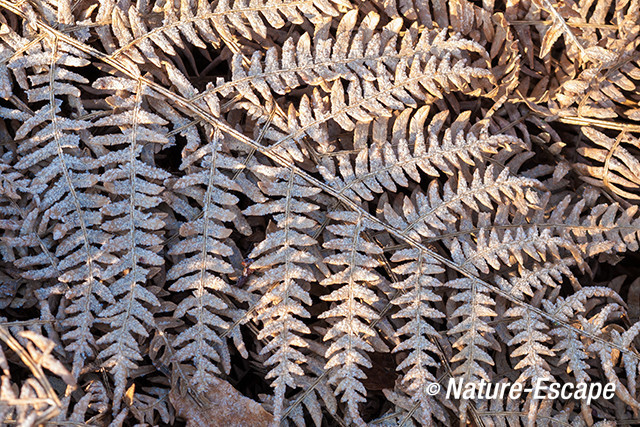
x,y
150,401
607,353
530,336
315,392
422,78
381,165
294,12
415,299
606,89
285,259
474,310
363,53
12,185
605,228
511,249
540,276
570,345
200,24
63,187
43,265
132,223
559,28
615,168
354,300
204,266
631,365
431,215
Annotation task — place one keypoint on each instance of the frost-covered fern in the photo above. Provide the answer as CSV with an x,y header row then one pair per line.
x,y
313,212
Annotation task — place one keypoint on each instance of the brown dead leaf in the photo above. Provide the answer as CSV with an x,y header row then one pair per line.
x,y
227,407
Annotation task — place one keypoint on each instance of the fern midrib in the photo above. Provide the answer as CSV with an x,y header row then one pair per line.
x,y
205,233
590,229
132,228
510,245
426,156
86,303
350,316
459,196
420,349
473,331
352,266
281,385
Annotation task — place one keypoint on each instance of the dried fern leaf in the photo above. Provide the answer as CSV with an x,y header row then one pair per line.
x,y
416,306
203,268
132,223
353,307
283,260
